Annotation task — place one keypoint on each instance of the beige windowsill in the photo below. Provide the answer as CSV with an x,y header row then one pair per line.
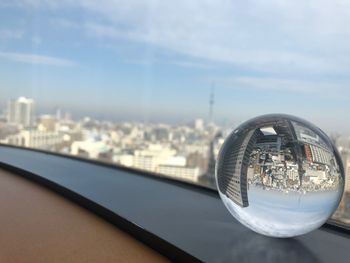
x,y
37,225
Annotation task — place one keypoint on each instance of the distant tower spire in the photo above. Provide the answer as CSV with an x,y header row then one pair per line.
x,y
211,103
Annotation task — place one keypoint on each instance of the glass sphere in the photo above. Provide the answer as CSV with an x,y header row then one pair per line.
x,y
279,175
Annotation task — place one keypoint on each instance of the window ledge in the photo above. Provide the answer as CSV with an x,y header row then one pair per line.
x,y
179,220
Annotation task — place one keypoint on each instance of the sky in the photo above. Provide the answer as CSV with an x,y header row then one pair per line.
x,y
278,214
157,60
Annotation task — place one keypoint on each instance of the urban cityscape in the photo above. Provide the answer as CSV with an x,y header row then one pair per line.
x,y
276,164
184,152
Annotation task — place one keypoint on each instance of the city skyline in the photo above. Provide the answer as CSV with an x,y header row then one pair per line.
x,y
183,152
171,118
165,58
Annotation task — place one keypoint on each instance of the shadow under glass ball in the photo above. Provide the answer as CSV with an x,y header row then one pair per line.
x,y
279,175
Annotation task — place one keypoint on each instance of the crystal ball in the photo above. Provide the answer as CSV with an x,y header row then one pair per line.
x,y
279,175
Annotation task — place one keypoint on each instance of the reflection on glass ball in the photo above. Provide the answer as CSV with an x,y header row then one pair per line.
x,y
279,175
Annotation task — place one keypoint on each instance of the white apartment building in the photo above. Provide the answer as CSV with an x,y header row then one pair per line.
x,y
91,147
21,111
159,159
316,176
148,159
34,139
180,172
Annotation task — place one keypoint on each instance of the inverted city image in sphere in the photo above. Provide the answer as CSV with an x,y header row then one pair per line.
x,y
279,175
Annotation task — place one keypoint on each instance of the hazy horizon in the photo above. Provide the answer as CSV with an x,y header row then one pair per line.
x,y
157,60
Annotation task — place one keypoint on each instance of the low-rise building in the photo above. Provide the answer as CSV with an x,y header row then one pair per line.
x,y
180,172
34,139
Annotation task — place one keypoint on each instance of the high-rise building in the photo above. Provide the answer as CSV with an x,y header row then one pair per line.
x,y
213,151
347,175
234,166
21,111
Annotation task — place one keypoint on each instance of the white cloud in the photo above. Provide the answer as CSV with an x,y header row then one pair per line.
x,y
264,60
180,63
272,36
36,59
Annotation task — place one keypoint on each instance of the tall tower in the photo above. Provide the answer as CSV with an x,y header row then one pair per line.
x,y
211,104
211,156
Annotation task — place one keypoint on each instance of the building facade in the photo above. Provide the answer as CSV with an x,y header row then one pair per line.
x,y
21,112
34,139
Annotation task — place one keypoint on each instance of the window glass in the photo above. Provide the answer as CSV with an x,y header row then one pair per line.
x,y
157,85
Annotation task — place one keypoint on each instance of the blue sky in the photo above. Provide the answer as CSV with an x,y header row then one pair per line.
x,y
157,60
